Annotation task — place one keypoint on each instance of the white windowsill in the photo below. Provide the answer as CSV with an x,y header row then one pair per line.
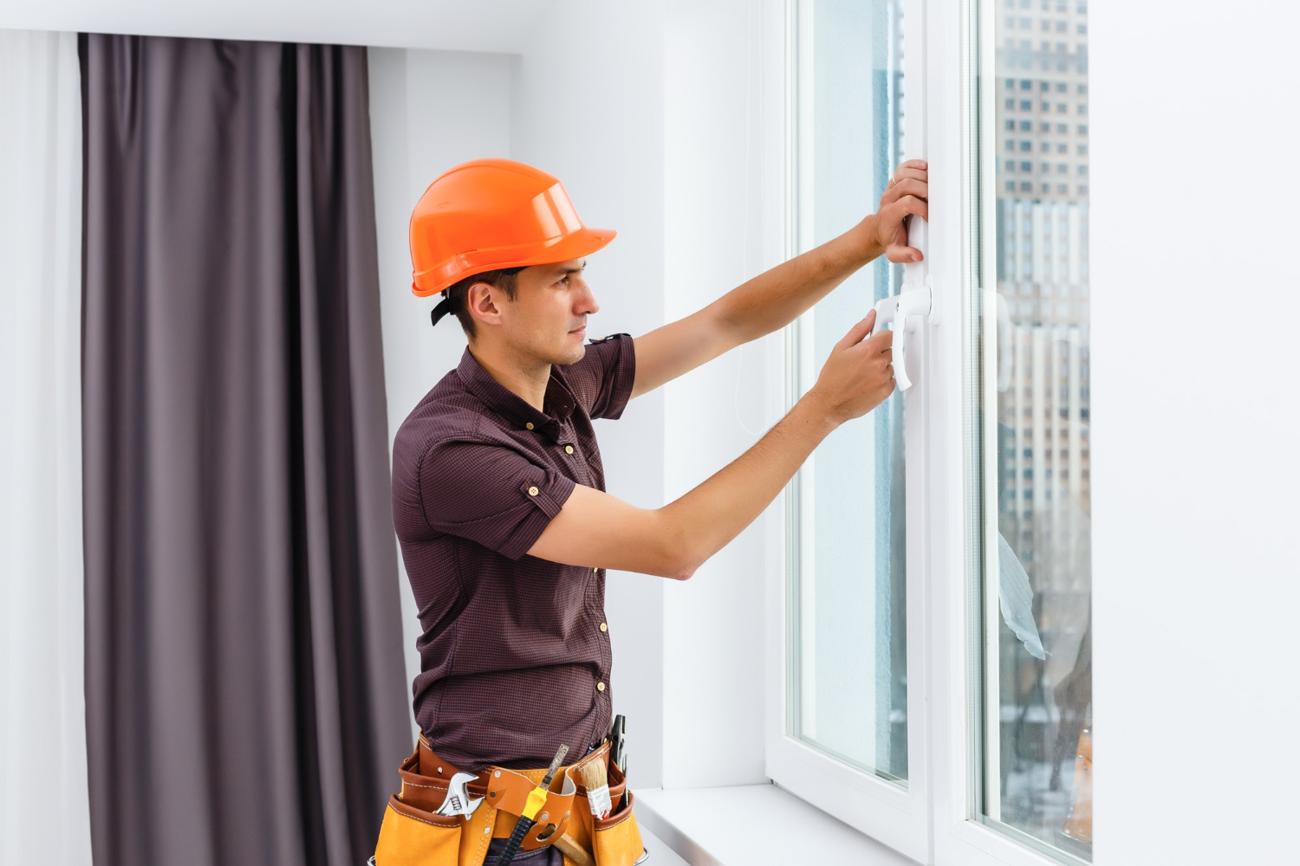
x,y
754,825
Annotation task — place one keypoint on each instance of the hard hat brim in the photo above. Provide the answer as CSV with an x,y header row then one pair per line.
x,y
452,270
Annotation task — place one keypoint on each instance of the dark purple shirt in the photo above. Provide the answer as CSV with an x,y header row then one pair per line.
x,y
515,653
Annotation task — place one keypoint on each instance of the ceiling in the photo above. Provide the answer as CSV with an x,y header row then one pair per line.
x,y
457,25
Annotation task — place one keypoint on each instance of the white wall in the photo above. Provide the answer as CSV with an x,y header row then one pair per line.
x,y
1195,432
429,110
724,191
588,106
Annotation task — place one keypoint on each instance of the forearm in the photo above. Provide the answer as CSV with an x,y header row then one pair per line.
x,y
778,296
704,520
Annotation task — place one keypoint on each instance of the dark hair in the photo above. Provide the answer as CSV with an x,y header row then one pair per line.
x,y
502,278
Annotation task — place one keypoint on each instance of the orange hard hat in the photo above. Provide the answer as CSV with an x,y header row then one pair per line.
x,y
488,214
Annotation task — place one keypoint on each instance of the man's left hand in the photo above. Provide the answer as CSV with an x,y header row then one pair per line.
x,y
907,194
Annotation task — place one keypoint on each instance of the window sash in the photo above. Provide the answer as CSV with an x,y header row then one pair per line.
x,y
897,816
933,820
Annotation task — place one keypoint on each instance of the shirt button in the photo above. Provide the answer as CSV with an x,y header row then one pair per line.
x,y
568,449
604,627
529,425
600,687
532,491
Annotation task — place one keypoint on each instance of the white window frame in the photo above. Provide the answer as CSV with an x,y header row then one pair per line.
x,y
934,819
898,816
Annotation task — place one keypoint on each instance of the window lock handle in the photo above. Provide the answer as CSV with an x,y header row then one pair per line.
x,y
896,310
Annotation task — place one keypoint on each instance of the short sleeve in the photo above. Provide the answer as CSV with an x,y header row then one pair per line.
x,y
602,380
490,494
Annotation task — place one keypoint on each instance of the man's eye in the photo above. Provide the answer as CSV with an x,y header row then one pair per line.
x,y
565,279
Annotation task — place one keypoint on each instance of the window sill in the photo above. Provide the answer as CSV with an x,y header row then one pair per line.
x,y
716,827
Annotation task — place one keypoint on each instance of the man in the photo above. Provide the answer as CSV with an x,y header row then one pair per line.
x,y
498,489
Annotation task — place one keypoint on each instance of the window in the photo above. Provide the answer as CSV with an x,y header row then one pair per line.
x,y
846,687
869,524
1036,657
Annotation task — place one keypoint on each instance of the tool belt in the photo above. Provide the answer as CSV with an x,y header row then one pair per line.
x,y
413,834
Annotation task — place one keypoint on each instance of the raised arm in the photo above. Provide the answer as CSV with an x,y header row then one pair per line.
x,y
597,529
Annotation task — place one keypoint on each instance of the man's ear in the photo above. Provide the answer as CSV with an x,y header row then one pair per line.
x,y
479,298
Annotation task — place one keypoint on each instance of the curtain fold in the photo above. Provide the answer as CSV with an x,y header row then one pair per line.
x,y
245,694
44,815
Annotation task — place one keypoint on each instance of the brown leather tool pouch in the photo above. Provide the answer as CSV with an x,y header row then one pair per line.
x,y
412,834
614,840
617,839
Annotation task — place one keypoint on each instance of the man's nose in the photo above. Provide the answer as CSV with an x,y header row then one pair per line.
x,y
588,304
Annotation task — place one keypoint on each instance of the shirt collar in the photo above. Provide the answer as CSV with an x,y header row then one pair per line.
x,y
559,399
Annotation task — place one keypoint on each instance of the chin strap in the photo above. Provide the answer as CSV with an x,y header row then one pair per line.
x,y
443,308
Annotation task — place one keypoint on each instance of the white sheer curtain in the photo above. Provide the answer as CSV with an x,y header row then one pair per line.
x,y
44,811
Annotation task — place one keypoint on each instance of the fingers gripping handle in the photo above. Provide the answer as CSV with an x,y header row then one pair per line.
x,y
913,299
887,313
896,309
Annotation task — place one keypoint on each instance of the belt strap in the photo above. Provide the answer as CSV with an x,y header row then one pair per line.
x,y
425,776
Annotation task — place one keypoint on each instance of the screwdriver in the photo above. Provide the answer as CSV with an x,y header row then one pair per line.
x,y
533,805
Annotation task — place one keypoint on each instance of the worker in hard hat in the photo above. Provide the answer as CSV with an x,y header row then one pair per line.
x,y
500,506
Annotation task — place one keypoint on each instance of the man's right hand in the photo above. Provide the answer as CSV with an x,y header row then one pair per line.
x,y
596,529
858,375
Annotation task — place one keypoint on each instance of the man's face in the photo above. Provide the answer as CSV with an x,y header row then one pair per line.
x,y
548,317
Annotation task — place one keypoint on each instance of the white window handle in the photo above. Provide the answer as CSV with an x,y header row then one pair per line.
x,y
896,309
1006,333
914,298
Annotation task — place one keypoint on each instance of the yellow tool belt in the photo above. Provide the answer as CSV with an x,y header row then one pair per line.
x,y
414,835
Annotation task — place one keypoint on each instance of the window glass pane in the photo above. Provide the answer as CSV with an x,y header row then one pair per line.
x,y
847,671
1037,651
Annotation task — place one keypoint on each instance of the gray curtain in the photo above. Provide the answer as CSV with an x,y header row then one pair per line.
x,y
245,693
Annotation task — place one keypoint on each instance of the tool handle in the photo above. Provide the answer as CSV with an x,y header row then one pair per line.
x,y
522,826
575,852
